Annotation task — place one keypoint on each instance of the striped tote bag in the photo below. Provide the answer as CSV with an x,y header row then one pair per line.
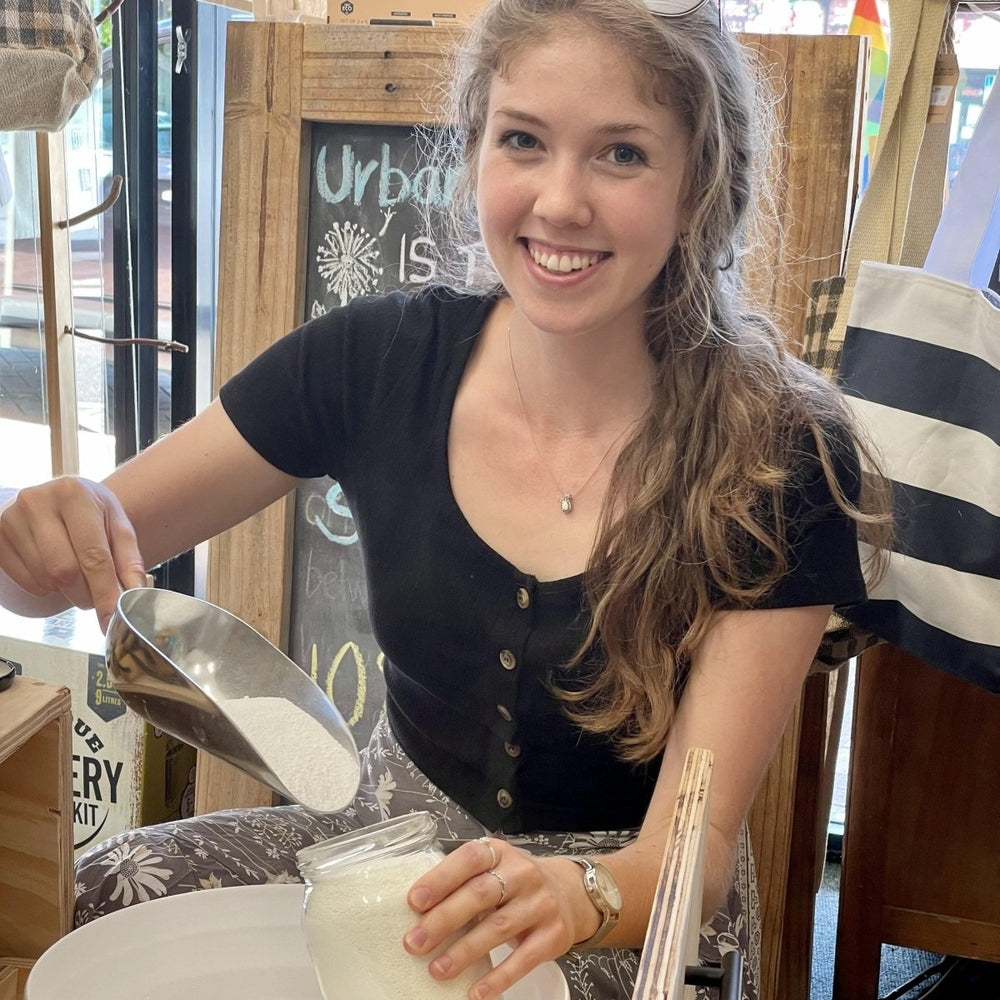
x,y
921,370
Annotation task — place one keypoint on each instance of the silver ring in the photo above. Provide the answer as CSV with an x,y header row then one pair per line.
x,y
503,885
492,850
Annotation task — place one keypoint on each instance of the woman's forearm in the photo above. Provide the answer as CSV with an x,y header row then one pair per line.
x,y
636,868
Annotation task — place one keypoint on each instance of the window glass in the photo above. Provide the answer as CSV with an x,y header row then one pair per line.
x,y
87,143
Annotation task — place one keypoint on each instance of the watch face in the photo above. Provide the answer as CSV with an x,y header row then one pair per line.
x,y
608,887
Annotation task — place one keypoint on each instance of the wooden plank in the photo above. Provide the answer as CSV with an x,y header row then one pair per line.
x,y
858,953
770,822
17,970
943,935
219,785
804,863
943,812
36,818
821,82
57,304
27,706
260,299
373,75
675,920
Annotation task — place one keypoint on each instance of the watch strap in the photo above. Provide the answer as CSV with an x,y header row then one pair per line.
x,y
609,914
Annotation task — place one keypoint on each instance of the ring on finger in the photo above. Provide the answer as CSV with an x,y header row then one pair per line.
x,y
492,850
503,885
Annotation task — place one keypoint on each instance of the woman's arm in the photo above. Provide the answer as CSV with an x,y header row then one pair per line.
x,y
743,685
73,541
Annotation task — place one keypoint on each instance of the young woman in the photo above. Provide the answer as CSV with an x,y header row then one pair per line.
x,y
636,509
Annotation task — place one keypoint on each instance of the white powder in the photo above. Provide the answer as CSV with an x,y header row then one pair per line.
x,y
315,767
354,925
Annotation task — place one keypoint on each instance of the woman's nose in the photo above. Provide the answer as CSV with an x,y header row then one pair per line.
x,y
563,197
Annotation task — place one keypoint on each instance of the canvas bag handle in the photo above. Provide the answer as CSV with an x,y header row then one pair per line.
x,y
888,211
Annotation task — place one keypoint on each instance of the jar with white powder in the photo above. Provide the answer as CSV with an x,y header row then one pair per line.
x,y
355,913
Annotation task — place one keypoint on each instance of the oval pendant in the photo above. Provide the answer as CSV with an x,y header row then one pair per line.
x,y
566,503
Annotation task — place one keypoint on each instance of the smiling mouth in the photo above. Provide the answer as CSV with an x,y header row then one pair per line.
x,y
564,263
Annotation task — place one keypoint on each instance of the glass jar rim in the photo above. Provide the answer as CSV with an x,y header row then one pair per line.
x,y
389,837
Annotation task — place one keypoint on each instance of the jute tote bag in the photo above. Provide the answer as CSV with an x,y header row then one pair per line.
x,y
50,61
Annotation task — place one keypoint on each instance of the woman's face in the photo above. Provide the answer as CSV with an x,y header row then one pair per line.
x,y
578,184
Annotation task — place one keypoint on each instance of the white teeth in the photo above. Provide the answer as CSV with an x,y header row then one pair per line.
x,y
564,263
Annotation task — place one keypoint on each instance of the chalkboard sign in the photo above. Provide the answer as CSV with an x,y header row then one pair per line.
x,y
365,231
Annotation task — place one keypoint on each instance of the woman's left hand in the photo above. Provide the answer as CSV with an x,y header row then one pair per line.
x,y
502,895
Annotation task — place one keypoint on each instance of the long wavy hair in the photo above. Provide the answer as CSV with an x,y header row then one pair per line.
x,y
694,518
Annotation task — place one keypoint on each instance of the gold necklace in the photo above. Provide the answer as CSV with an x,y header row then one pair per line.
x,y
565,496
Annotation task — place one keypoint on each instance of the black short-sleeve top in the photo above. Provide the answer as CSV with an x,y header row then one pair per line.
x,y
364,394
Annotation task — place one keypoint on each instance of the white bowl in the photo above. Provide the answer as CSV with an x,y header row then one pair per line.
x,y
236,943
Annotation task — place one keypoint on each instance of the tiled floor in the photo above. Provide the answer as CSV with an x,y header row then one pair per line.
x,y
22,386
24,435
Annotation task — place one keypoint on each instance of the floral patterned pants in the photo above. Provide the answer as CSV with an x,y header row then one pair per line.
x,y
255,846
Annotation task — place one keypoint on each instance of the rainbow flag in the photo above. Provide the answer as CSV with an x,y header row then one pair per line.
x,y
866,21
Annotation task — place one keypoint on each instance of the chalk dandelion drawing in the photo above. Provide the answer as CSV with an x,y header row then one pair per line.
x,y
348,259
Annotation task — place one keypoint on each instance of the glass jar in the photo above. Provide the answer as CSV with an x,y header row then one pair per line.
x,y
355,913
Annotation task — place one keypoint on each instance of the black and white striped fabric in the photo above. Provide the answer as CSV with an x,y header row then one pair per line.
x,y
921,369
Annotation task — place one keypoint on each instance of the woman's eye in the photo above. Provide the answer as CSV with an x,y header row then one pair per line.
x,y
518,140
625,155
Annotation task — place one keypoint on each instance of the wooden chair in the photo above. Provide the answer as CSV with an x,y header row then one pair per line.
x,y
921,867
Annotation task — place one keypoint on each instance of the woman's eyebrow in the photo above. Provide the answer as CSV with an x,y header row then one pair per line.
x,y
521,116
624,128
610,129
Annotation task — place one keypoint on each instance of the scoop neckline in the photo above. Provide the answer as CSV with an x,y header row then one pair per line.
x,y
464,348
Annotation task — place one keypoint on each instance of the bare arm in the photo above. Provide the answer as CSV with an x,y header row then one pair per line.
x,y
743,686
72,541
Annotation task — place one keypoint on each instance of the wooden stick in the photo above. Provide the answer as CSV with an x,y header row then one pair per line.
x,y
675,920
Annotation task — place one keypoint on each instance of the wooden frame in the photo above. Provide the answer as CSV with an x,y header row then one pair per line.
x,y
280,79
36,826
57,304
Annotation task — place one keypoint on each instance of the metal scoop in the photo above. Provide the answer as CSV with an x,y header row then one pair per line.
x,y
176,661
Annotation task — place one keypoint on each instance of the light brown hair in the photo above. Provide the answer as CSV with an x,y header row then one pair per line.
x,y
695,515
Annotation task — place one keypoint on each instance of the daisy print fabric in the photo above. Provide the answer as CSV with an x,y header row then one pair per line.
x,y
258,846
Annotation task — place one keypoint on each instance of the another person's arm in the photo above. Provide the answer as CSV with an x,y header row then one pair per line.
x,y
73,541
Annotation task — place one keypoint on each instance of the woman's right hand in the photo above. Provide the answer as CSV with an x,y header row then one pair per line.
x,y
67,541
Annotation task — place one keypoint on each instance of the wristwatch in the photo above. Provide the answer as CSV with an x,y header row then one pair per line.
x,y
604,894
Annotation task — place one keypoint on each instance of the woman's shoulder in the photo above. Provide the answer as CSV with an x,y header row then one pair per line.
x,y
430,310
824,452
380,343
